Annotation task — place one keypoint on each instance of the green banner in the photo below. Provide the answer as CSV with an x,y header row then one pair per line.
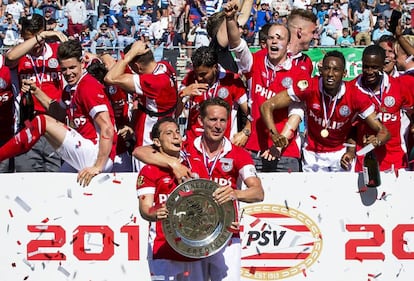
x,y
352,56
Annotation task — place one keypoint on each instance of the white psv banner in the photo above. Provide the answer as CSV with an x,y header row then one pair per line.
x,y
54,229
314,227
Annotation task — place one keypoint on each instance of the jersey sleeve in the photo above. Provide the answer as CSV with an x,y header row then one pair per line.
x,y
145,182
94,98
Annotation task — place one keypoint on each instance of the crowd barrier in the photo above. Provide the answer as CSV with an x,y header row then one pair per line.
x,y
310,227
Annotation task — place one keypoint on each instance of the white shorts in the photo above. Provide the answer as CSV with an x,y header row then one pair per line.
x,y
170,270
224,265
323,161
79,152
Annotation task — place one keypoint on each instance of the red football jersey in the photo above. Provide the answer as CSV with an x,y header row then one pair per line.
x,y
265,81
157,94
335,114
6,103
229,87
85,100
393,97
45,70
159,182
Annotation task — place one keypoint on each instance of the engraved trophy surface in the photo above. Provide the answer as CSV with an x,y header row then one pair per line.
x,y
197,227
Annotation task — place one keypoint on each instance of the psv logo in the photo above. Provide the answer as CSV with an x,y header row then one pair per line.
x,y
277,242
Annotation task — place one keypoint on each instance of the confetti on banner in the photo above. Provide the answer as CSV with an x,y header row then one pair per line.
x,y
254,223
313,197
22,204
87,194
286,205
10,213
69,193
104,179
123,269
63,270
252,270
26,277
13,264
45,220
29,264
304,272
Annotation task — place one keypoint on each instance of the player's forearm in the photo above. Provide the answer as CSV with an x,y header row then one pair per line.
x,y
253,193
114,74
15,53
150,155
105,146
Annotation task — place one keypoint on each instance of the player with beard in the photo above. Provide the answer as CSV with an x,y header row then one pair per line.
x,y
330,111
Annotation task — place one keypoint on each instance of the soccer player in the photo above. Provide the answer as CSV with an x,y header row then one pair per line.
x,y
36,59
330,110
88,141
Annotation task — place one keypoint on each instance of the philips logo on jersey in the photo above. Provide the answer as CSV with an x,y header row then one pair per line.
x,y
264,92
387,117
222,181
46,77
332,124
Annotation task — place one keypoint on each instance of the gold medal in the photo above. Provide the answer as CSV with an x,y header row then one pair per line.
x,y
324,133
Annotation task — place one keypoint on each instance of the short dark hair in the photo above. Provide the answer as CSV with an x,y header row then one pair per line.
x,y
70,49
155,132
204,56
374,50
213,101
143,59
387,39
335,54
263,32
34,25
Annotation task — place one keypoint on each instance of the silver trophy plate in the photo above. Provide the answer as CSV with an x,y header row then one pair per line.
x,y
197,227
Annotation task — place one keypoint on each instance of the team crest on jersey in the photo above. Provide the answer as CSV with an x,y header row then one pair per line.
x,y
226,164
287,82
53,63
344,111
3,84
112,90
140,181
303,84
223,93
389,101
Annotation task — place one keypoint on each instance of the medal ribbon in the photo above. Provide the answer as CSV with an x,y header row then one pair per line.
x,y
210,168
39,76
328,120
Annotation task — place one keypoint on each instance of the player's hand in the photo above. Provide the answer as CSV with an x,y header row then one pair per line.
x,y
279,140
161,213
195,89
239,139
137,49
224,194
346,160
125,131
231,8
367,139
28,86
85,175
181,172
52,33
272,153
